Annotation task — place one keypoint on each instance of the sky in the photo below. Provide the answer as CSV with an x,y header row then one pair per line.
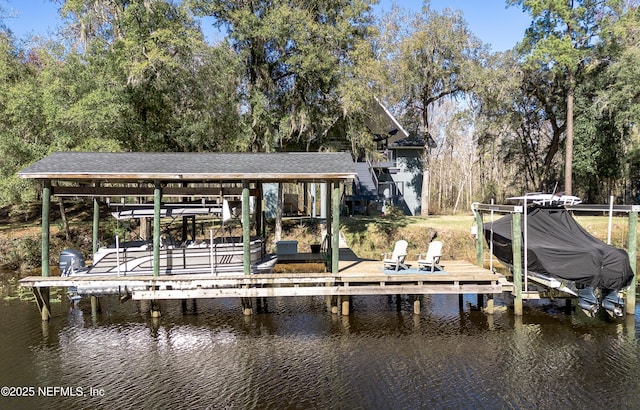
x,y
489,20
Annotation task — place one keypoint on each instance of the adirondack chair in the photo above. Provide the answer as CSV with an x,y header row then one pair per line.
x,y
431,259
396,258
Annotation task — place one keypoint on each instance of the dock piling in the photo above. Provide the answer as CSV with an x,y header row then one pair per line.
x,y
489,308
247,307
95,306
416,305
345,306
632,251
155,309
42,296
517,267
42,300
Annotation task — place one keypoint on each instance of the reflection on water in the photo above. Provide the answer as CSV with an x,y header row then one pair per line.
x,y
299,356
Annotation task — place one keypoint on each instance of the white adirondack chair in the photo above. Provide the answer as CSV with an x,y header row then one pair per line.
x,y
396,258
431,259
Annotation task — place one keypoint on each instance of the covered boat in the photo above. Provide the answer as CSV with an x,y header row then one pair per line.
x,y
562,254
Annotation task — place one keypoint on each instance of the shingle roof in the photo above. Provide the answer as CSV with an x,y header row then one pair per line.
x,y
192,166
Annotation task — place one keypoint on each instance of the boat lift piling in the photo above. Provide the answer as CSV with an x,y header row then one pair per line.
x,y
517,211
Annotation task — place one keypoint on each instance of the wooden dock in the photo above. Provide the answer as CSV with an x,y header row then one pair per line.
x,y
355,277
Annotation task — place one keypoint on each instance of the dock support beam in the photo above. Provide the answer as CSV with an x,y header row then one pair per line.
x,y
95,306
42,300
335,239
516,234
96,223
155,310
479,240
260,224
632,251
345,306
335,304
246,228
488,309
326,213
157,197
247,306
42,295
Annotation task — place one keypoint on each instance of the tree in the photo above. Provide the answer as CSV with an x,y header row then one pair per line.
x,y
433,60
607,160
167,87
21,120
520,122
298,57
560,38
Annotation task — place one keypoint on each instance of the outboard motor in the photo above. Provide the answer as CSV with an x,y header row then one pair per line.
x,y
613,304
71,260
588,301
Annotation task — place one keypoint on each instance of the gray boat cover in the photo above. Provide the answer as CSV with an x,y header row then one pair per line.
x,y
559,247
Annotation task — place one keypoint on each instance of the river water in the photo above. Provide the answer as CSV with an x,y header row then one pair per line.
x,y
299,356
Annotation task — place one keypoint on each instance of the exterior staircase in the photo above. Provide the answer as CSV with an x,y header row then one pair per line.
x,y
367,186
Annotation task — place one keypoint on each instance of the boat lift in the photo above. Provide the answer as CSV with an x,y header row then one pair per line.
x,y
519,272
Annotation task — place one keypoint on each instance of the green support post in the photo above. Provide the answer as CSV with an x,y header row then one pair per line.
x,y
328,224
479,240
516,242
246,228
632,251
157,197
43,294
335,239
96,223
46,208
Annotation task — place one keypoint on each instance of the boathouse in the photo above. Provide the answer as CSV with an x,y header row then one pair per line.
x,y
156,176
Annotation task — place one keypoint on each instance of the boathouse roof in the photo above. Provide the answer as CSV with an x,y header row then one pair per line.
x,y
181,166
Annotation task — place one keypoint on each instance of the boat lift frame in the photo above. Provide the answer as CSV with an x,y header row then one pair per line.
x,y
518,211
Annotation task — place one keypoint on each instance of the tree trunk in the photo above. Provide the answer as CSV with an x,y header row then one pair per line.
x,y
426,163
424,198
568,166
65,222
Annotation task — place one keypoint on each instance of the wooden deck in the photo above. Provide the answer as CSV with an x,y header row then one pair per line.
x,y
356,277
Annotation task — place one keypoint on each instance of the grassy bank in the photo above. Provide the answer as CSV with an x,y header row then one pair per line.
x,y
369,237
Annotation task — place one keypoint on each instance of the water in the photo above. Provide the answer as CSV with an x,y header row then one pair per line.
x,y
299,356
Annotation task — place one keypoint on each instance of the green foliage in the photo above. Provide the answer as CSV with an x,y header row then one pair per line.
x,y
20,254
131,76
561,32
437,58
300,62
294,75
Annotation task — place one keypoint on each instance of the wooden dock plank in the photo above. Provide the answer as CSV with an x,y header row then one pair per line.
x,y
315,291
